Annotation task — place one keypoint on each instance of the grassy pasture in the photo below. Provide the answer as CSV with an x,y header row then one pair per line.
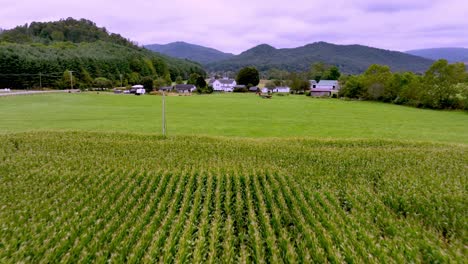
x,y
87,178
238,115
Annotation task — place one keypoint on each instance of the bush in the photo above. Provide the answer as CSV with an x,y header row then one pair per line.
x,y
102,82
241,90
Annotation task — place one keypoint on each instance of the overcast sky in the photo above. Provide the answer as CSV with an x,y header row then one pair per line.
x,y
237,25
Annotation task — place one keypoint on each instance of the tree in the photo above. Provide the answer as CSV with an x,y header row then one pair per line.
x,y
375,80
160,82
193,78
440,82
333,73
179,80
270,84
317,71
147,83
248,76
200,82
298,83
102,82
353,88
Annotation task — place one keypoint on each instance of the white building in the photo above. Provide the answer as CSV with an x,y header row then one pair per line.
x,y
224,85
139,89
324,87
281,89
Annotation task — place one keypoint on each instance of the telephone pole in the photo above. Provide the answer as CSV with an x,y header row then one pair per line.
x,y
71,79
164,115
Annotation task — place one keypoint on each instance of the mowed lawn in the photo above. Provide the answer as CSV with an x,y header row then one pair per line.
x,y
241,115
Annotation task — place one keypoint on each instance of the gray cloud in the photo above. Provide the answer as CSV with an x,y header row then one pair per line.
x,y
234,26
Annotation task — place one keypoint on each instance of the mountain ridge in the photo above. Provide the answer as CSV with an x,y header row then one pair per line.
x,y
194,52
349,58
452,54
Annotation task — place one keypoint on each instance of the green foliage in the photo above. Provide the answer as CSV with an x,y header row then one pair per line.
x,y
440,84
73,197
147,83
317,71
248,76
353,88
333,73
69,29
193,78
270,84
375,79
179,80
299,83
200,82
79,45
243,89
441,87
102,82
161,82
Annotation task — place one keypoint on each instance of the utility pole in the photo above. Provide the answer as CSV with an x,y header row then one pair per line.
x,y
164,115
40,80
71,79
121,82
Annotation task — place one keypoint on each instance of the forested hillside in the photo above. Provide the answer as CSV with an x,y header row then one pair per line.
x,y
190,51
348,58
41,54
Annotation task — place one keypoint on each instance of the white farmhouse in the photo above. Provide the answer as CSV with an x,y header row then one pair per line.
x,y
224,85
324,87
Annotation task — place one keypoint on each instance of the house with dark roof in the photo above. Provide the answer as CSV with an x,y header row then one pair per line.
x,y
166,88
224,85
254,89
184,88
324,88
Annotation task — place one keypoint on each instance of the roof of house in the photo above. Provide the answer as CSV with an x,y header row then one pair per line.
x,y
282,87
138,86
253,88
226,81
166,88
313,81
328,82
184,86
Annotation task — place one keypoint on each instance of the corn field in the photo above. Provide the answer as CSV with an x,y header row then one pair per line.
x,y
94,197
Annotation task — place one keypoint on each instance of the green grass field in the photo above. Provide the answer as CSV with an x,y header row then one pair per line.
x,y
87,178
238,115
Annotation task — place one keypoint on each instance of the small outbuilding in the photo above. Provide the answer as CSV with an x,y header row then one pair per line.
x,y
139,89
281,89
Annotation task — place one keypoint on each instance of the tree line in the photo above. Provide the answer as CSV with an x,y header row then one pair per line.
x,y
442,86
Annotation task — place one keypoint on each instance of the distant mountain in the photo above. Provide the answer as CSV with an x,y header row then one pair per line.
x,y
450,54
189,51
349,58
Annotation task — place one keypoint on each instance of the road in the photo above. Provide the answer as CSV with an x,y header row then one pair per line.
x,y
26,92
